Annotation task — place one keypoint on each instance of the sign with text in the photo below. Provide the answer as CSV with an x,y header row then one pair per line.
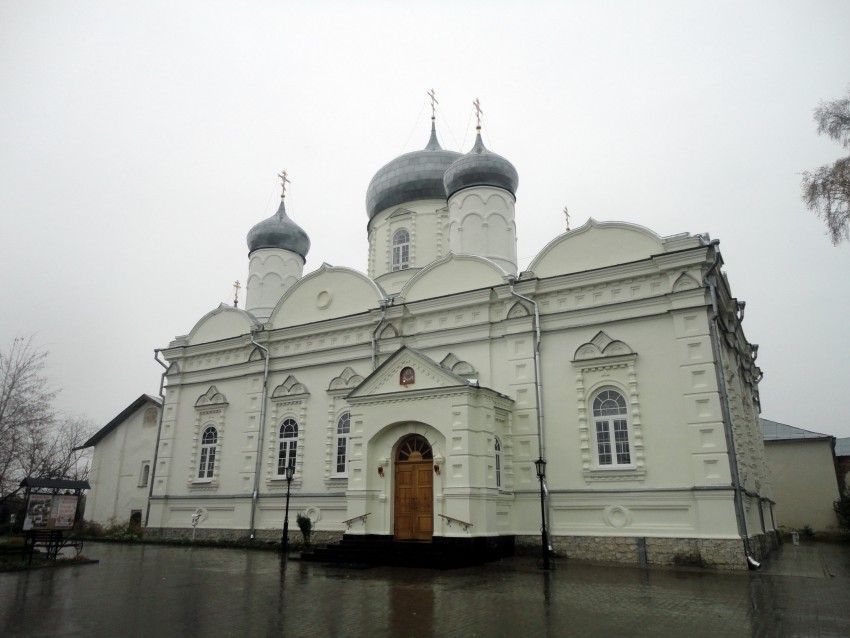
x,y
46,511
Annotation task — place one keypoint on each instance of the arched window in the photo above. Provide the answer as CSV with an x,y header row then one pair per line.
x,y
612,429
343,428
288,445
414,448
498,463
145,475
208,443
401,250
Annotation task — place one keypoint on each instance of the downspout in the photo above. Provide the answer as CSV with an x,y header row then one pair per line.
x,y
538,384
256,493
156,354
375,334
711,280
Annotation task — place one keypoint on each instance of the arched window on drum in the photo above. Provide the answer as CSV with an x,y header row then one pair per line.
x,y
401,250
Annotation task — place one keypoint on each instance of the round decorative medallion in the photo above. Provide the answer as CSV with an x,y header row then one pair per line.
x,y
617,516
323,300
313,513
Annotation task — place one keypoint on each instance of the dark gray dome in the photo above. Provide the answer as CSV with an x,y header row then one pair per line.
x,y
481,167
410,177
278,231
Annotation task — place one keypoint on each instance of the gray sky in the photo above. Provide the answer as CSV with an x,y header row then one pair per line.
x,y
139,142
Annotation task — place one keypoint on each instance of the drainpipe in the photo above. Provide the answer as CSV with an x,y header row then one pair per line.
x,y
262,427
710,279
384,303
152,477
537,380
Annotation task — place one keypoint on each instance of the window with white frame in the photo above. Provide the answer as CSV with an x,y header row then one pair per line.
x,y
612,429
401,250
209,439
343,428
288,445
498,463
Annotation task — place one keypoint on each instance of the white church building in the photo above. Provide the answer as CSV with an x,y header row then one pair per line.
x,y
414,400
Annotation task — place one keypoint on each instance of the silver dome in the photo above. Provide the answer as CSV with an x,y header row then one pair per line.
x,y
410,177
278,231
481,167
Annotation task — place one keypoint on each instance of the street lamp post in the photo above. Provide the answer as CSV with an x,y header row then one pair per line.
x,y
540,466
284,540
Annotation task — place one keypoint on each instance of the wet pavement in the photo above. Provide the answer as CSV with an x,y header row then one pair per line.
x,y
171,591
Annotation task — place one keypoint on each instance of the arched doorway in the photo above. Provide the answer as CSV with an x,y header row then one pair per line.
x,y
414,490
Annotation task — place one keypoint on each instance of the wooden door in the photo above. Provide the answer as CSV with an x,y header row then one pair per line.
x,y
414,501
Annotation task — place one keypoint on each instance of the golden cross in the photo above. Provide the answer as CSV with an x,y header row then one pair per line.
x,y
478,112
236,288
434,103
284,180
567,215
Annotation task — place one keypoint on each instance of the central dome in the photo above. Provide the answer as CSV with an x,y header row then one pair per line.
x,y
410,177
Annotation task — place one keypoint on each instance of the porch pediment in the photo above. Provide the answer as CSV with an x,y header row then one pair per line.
x,y
408,370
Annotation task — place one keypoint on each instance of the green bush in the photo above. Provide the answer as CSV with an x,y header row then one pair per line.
x,y
305,524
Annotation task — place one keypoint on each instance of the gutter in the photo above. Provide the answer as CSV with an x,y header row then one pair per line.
x,y
156,354
384,303
262,427
710,279
538,383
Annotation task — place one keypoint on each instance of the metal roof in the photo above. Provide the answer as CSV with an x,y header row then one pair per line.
x,y
279,231
118,420
410,177
55,484
842,447
481,167
775,431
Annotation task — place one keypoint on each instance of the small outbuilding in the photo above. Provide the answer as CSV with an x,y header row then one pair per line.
x,y
803,472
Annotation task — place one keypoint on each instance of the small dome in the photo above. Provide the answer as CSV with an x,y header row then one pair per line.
x,y
481,167
278,231
410,177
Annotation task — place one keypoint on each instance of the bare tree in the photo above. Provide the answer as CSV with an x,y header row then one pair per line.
x,y
826,190
34,441
26,407
62,455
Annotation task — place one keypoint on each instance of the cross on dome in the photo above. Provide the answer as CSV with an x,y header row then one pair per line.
x,y
434,104
284,180
478,113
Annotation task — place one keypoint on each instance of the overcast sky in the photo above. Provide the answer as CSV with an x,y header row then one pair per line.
x,y
140,141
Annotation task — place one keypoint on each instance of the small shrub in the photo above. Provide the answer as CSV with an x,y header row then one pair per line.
x,y
88,529
120,531
305,524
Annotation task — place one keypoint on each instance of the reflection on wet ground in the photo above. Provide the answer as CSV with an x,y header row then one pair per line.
x,y
170,591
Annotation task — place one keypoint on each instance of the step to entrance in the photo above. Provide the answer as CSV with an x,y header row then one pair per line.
x,y
440,553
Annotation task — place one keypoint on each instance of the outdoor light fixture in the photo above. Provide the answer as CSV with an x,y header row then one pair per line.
x,y
436,469
540,467
381,471
284,540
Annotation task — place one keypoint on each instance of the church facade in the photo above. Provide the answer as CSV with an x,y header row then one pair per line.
x,y
413,401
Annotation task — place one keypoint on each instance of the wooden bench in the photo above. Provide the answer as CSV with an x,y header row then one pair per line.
x,y
52,540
